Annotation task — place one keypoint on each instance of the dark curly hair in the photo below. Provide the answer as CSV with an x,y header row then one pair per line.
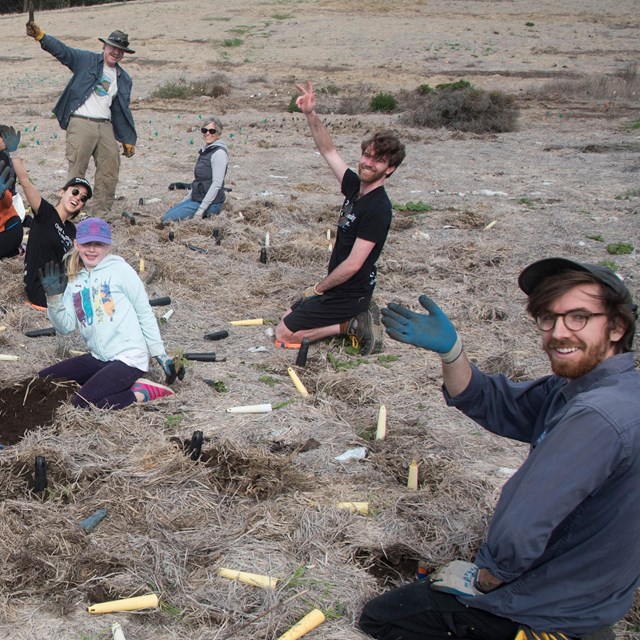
x,y
387,145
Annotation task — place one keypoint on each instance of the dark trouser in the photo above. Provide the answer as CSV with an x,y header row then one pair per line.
x,y
11,238
415,612
104,384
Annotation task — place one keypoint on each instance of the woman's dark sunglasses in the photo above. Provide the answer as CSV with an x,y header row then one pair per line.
x,y
211,131
83,198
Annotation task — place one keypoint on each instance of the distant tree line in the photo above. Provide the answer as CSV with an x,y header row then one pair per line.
x,y
22,6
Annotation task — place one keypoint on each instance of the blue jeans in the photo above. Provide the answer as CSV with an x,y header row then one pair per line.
x,y
104,384
186,209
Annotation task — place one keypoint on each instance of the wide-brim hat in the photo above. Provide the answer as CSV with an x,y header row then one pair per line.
x,y
535,273
119,40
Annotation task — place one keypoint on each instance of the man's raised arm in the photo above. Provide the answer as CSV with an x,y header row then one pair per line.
x,y
306,102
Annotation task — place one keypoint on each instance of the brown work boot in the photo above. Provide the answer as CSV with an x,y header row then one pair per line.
x,y
367,330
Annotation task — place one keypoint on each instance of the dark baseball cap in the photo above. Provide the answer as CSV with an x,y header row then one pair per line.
x,y
79,181
535,273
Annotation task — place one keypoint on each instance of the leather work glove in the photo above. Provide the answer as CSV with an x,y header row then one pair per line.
x,y
7,177
526,633
34,31
432,331
128,150
11,138
169,368
457,577
54,279
310,292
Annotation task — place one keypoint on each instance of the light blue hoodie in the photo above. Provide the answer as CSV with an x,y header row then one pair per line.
x,y
111,308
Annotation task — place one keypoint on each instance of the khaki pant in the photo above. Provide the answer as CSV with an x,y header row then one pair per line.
x,y
87,139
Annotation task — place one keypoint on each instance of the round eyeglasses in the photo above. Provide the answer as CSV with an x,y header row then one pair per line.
x,y
573,320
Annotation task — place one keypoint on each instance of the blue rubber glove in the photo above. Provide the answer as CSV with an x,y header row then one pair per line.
x,y
432,331
7,177
170,369
54,279
11,138
457,577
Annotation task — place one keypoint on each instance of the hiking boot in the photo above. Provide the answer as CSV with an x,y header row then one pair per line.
x,y
367,330
151,390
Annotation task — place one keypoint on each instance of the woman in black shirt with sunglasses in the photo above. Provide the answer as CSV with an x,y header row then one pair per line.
x,y
52,230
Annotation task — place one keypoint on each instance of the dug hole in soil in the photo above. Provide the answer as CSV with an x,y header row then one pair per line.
x,y
28,404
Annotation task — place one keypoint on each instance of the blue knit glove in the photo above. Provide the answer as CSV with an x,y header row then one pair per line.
x,y
11,138
54,279
7,177
457,577
432,331
170,368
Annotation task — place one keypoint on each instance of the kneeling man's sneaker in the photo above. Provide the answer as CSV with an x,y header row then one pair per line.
x,y
151,390
367,330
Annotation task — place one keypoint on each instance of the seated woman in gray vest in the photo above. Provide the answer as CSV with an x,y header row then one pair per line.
x,y
207,190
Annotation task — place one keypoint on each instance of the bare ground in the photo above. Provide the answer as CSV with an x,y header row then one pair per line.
x,y
263,497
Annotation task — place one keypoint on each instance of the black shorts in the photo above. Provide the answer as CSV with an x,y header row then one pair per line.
x,y
324,311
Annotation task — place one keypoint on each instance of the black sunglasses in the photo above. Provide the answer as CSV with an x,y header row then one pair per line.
x,y
211,131
83,198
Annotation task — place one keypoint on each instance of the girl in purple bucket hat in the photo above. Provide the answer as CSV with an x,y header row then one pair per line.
x,y
101,295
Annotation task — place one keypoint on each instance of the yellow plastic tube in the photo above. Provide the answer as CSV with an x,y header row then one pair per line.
x,y
254,579
251,322
356,507
312,620
412,482
126,604
299,386
381,431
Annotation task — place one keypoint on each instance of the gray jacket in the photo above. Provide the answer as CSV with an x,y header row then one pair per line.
x,y
87,70
564,536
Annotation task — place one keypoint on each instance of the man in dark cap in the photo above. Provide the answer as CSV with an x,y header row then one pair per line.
x,y
561,558
94,110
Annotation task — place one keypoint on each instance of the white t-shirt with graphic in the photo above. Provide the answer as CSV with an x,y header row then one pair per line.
x,y
98,104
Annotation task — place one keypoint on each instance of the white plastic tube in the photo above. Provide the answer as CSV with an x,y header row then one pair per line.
x,y
251,408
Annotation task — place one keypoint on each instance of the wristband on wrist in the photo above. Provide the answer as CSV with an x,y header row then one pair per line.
x,y
452,355
315,289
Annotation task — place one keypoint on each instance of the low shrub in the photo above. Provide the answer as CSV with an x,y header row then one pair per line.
x,y
461,107
384,102
215,86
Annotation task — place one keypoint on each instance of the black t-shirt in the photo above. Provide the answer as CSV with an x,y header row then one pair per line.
x,y
367,217
49,239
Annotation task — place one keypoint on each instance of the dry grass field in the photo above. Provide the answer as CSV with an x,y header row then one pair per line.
x,y
262,498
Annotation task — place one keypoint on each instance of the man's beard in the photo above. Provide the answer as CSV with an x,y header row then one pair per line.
x,y
590,358
370,177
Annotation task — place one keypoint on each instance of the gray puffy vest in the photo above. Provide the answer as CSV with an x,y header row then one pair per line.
x,y
202,172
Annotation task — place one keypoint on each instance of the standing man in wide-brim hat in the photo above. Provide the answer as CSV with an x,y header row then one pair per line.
x,y
94,110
